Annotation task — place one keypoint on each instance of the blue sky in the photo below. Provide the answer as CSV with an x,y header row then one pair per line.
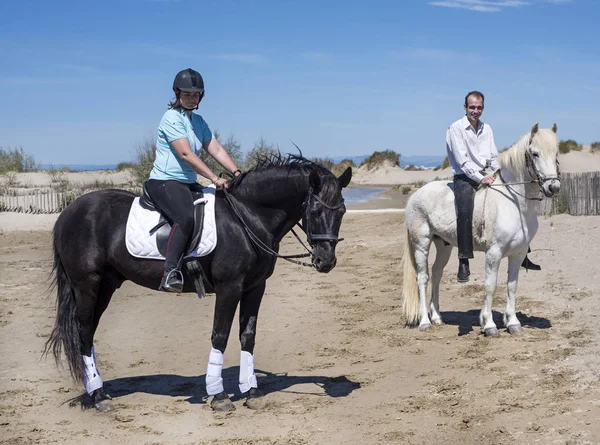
x,y
87,82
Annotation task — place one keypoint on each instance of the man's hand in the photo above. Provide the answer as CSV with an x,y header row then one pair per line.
x,y
488,180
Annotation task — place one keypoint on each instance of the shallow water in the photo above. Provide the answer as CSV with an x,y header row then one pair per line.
x,y
355,195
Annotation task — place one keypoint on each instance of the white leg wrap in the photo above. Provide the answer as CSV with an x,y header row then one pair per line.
x,y
247,376
214,381
91,375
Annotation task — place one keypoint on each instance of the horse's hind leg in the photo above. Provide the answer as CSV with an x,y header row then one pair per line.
x,y
422,244
511,322
91,304
249,307
441,259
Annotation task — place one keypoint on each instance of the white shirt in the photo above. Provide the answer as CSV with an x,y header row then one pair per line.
x,y
469,150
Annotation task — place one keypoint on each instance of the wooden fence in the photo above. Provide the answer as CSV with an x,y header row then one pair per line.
x,y
43,200
579,195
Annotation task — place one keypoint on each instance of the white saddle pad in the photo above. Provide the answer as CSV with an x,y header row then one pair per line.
x,y
141,244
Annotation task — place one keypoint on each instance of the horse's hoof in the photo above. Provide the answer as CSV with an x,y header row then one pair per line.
x,y
100,400
104,406
515,329
437,321
491,332
255,400
424,327
222,403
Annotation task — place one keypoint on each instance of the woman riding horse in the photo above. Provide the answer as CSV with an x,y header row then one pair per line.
x,y
91,261
181,136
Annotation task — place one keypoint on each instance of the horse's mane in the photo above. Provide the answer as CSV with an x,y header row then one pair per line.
x,y
514,157
279,164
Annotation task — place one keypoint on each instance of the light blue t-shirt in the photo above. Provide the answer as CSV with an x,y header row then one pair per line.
x,y
176,125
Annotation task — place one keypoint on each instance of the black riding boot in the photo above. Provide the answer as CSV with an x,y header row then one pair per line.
x,y
527,264
464,193
172,280
463,270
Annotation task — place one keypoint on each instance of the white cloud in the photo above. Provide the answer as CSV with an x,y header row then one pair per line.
x,y
480,5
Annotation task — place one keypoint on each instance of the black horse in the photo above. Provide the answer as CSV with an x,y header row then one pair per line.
x,y
262,205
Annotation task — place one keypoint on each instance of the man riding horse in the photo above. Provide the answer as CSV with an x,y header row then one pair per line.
x,y
471,150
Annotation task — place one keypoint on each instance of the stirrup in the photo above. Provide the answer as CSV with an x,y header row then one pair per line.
x,y
172,281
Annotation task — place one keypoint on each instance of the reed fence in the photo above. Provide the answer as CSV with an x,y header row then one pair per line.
x,y
579,195
45,200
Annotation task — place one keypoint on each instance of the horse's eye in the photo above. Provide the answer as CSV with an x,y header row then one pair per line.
x,y
535,154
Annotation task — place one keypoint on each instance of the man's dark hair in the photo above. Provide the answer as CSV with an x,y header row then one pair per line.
x,y
474,93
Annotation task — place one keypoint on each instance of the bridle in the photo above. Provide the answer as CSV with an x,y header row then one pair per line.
x,y
311,237
537,177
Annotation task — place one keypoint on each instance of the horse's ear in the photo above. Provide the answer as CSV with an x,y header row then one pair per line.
x,y
315,181
535,129
344,178
554,127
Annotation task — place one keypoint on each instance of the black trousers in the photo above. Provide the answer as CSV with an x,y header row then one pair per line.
x,y
464,200
175,200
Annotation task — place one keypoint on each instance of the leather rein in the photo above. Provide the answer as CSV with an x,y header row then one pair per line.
x,y
309,235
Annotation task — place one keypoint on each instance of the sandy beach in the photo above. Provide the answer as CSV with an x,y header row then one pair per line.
x,y
333,356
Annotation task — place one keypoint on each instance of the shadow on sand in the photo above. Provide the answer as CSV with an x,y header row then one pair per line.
x,y
193,387
467,320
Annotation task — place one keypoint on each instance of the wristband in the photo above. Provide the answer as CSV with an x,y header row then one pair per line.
x,y
237,171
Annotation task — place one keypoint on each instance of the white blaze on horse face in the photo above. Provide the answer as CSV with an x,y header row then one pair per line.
x,y
214,382
247,376
91,375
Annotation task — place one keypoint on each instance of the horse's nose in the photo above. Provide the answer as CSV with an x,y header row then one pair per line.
x,y
324,266
554,186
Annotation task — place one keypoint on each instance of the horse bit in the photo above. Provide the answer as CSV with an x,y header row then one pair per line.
x,y
306,228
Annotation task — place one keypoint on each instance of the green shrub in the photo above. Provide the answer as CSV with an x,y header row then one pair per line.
x,y
124,166
325,162
341,167
379,158
568,146
144,160
595,147
560,204
413,168
261,151
16,160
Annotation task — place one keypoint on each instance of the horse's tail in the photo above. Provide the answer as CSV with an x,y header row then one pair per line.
x,y
410,289
65,333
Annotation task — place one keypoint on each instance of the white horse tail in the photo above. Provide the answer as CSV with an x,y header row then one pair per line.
x,y
410,289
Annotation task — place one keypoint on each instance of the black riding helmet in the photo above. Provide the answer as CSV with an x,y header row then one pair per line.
x,y
189,81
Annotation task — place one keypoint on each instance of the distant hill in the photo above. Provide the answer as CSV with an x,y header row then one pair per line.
x,y
419,161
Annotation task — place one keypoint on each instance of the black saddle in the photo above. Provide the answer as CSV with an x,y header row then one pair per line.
x,y
163,228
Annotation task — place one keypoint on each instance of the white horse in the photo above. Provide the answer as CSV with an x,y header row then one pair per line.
x,y
504,223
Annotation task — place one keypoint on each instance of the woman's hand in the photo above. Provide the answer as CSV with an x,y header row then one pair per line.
x,y
221,183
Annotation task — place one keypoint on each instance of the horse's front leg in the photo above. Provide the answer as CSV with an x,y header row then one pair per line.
x,y
511,322
226,303
486,320
249,307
